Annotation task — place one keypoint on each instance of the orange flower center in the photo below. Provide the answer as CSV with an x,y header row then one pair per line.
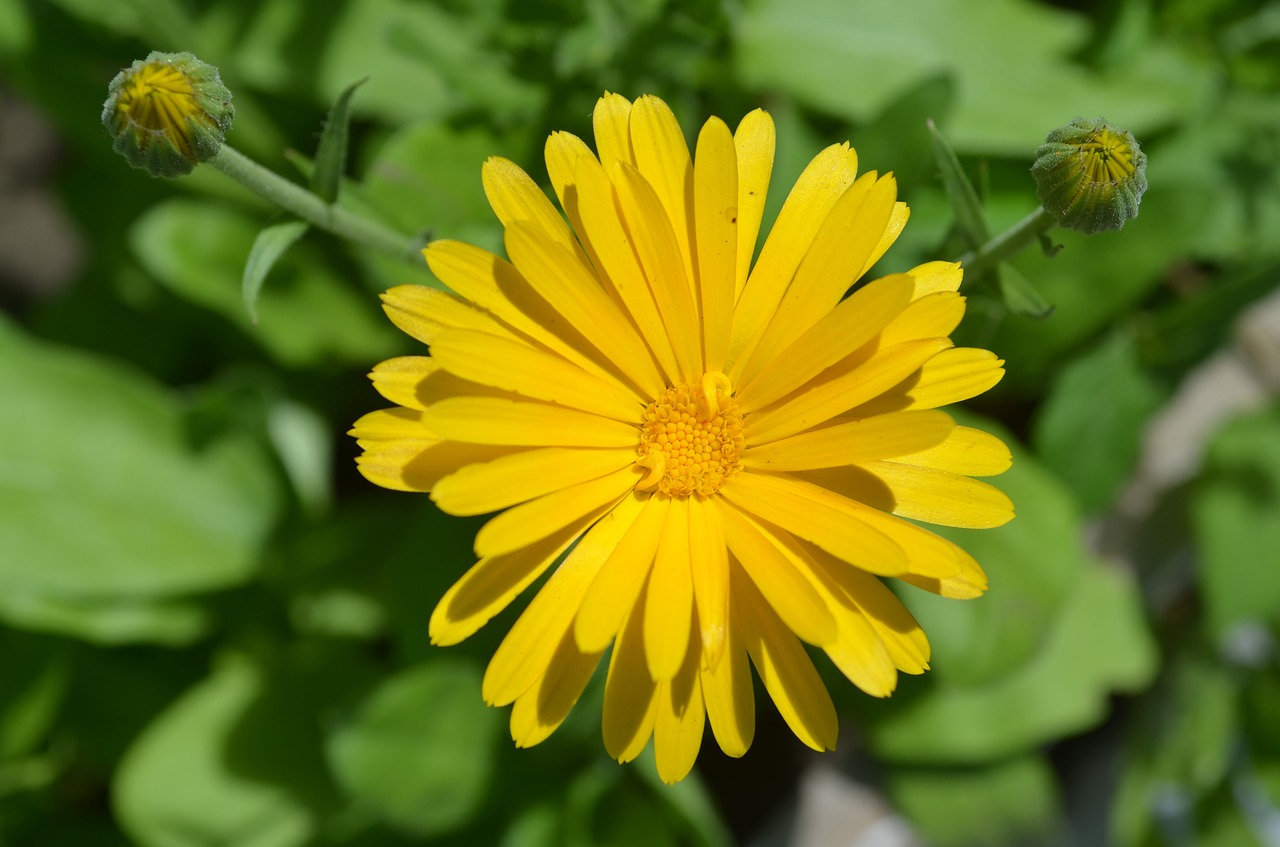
x,y
691,440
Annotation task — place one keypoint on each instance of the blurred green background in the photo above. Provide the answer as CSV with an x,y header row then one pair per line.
x,y
213,631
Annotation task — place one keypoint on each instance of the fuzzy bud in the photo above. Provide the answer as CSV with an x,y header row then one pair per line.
x,y
1090,175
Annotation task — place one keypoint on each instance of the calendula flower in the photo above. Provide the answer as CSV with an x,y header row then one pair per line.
x,y
716,457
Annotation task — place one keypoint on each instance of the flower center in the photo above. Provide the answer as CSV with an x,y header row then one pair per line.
x,y
160,98
691,440
1108,157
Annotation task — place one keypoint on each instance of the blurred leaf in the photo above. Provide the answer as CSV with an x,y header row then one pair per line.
x,y
304,442
1034,659
1236,513
994,805
220,766
1089,428
267,248
331,153
689,801
540,825
36,673
964,199
101,496
420,750
107,620
15,28
308,314
1009,60
1020,296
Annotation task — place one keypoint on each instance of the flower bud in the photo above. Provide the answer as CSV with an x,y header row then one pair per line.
x,y
1090,175
168,112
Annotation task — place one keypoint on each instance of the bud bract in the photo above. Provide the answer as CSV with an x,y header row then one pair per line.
x,y
1090,175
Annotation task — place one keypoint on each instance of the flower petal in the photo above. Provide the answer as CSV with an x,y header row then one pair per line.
x,y
517,199
611,121
681,718
931,316
397,379
817,515
496,420
897,223
515,366
932,277
967,451
532,521
662,158
710,558
715,196
630,694
729,697
539,711
853,442
939,497
489,486
949,377
619,585
422,312
786,671
753,141
669,612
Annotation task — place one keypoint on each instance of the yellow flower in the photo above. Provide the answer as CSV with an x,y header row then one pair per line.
x,y
725,449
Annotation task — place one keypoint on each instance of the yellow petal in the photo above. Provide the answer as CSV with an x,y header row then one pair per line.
x,y
842,331
967,451
618,587
969,582
730,700
662,158
495,420
496,286
817,515
753,142
653,238
932,277
525,653
540,710
515,366
630,694
613,247
611,121
489,486
949,377
715,195
402,454
669,616
492,583
777,575
897,223
680,720
517,199
397,379
931,316
857,649
815,193
710,560
853,442
938,497
830,267
576,294
529,522
392,425
786,671
424,312
837,390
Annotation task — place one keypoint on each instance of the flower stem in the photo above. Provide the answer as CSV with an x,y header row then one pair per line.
x,y
332,217
1007,244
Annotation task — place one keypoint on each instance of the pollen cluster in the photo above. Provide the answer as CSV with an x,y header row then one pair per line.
x,y
1108,157
691,440
159,97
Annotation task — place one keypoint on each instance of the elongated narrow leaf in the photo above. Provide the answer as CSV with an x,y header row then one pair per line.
x,y
268,247
1020,295
960,191
331,154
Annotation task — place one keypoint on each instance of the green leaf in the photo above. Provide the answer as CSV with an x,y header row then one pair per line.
x,y
15,29
1089,428
304,442
331,153
36,673
1037,657
1020,296
103,497
420,750
960,191
267,248
309,315
228,763
107,620
1005,803
1235,508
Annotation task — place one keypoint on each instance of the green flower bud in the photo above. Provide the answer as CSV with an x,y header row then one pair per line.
x,y
168,112
1090,175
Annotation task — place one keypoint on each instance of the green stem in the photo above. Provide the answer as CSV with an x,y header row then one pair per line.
x,y
332,217
1007,244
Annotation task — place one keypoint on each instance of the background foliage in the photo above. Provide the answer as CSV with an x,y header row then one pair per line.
x,y
213,632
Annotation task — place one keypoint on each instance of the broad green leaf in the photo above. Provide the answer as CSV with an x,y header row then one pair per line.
x,y
1020,296
1011,61
420,750
107,620
36,673
102,495
1236,514
1089,428
219,767
267,249
1037,657
309,315
960,191
331,153
1008,802
304,442
15,28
